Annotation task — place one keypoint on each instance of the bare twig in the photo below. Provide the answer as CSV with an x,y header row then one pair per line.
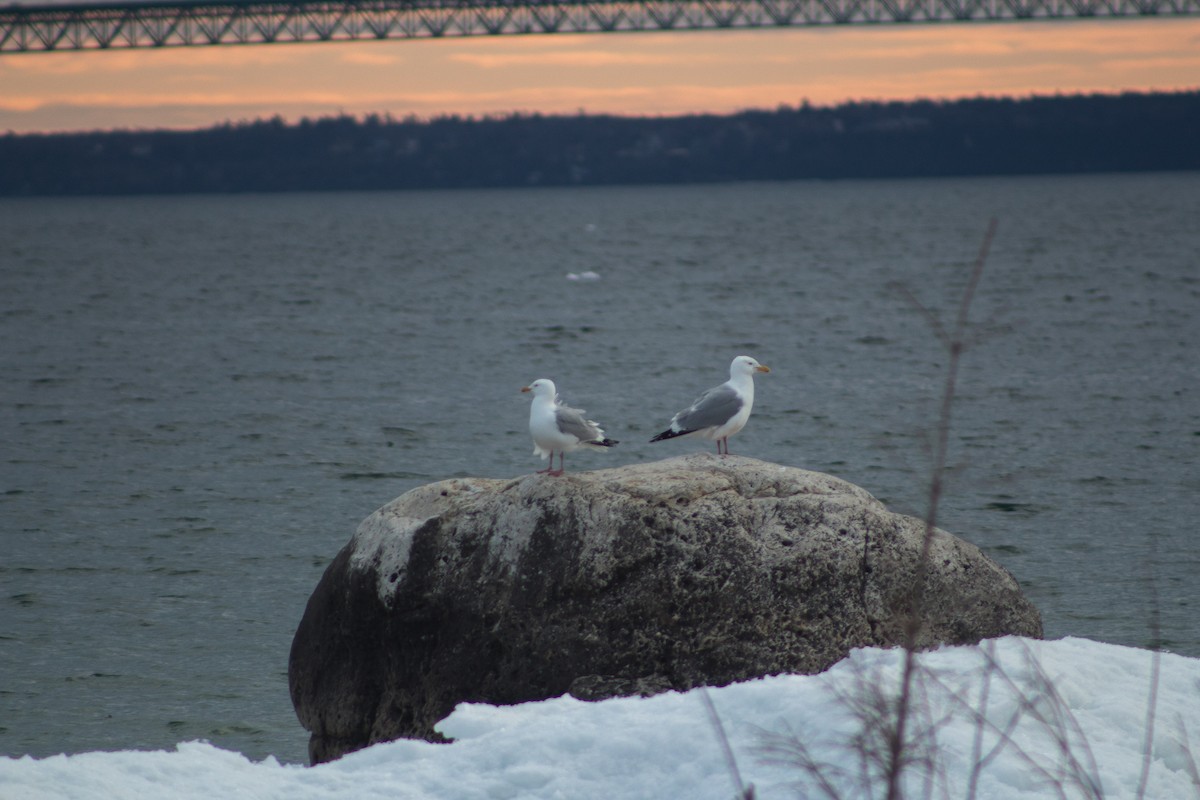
x,y
955,342
1190,766
1004,736
1064,727
790,749
1044,705
977,762
744,792
892,735
1155,669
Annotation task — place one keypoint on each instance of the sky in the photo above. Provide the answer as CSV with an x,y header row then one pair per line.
x,y
626,73
1060,715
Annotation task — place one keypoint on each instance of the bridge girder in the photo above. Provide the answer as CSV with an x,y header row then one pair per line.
x,y
43,28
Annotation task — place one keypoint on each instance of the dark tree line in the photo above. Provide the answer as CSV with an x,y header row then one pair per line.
x,y
1063,134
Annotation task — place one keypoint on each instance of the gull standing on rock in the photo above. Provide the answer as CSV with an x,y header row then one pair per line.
x,y
721,411
558,428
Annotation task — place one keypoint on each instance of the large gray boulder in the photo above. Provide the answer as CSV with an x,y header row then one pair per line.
x,y
695,570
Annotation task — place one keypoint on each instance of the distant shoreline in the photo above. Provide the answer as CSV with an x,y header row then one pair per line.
x,y
1066,134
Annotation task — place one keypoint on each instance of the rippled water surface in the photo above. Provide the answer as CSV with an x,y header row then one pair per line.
x,y
204,395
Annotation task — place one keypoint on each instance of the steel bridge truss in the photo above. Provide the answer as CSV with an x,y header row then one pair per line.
x,y
28,28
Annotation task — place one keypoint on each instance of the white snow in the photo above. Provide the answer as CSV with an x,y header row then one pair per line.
x,y
666,746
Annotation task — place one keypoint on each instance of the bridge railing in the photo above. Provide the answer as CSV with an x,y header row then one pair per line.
x,y
97,26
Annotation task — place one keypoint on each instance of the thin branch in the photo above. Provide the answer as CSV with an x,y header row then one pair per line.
x,y
936,324
744,792
955,344
977,762
790,749
1004,735
1155,670
1151,708
1062,725
1190,764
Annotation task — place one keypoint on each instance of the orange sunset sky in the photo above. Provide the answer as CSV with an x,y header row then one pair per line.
x,y
634,73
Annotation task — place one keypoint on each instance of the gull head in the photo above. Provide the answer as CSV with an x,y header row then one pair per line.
x,y
542,387
745,365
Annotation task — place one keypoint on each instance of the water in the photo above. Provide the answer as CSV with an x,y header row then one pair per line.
x,y
203,396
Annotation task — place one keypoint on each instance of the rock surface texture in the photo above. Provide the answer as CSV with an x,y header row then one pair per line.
x,y
694,570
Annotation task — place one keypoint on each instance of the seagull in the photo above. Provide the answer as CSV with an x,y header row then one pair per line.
x,y
558,428
721,411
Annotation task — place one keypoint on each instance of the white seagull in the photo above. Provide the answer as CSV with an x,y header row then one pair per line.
x,y
558,428
721,411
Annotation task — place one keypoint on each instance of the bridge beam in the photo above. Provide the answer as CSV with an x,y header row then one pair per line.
x,y
45,28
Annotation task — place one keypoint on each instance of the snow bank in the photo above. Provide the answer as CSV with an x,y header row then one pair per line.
x,y
665,746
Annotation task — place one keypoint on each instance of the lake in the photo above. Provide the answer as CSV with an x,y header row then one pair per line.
x,y
204,395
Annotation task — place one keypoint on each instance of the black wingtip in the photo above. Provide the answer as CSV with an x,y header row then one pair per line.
x,y
668,434
608,442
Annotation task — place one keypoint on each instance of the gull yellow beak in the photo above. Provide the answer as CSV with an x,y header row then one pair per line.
x,y
526,389
762,368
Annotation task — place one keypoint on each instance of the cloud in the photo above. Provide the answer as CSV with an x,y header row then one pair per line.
x,y
21,105
644,73
572,58
165,59
370,58
167,100
1180,65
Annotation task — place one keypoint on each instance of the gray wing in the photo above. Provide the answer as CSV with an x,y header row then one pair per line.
x,y
714,407
572,422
